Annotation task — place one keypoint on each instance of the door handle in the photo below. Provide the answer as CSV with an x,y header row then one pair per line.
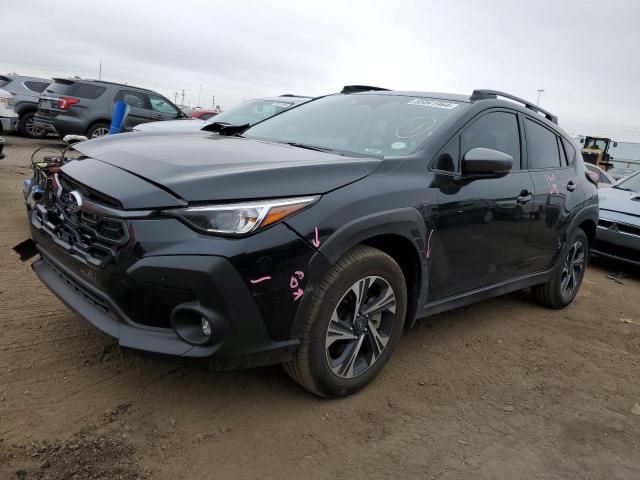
x,y
525,197
571,186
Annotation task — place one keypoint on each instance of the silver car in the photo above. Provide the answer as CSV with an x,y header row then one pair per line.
x,y
26,91
618,233
247,113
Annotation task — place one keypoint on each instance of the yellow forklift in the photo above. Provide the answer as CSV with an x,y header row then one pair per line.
x,y
595,150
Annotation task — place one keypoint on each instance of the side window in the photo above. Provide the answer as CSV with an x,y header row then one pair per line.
x,y
160,104
133,99
570,151
542,146
497,131
37,87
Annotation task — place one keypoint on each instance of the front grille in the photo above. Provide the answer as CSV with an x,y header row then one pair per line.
x,y
89,296
90,237
621,227
590,158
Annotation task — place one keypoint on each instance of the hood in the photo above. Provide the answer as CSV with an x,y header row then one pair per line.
x,y
171,125
206,166
617,200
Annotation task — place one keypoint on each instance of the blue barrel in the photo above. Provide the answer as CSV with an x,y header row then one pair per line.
x,y
120,113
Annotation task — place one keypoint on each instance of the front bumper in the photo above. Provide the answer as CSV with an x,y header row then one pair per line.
x,y
618,239
9,124
165,265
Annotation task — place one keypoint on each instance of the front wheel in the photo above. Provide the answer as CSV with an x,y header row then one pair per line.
x,y
567,276
354,322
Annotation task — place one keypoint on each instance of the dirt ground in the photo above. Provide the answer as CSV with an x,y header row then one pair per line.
x,y
503,389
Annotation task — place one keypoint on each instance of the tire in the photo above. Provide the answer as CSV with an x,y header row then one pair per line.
x,y
317,364
26,128
556,293
98,129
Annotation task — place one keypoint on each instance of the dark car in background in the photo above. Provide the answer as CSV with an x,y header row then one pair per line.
x,y
247,113
316,236
26,92
618,234
85,107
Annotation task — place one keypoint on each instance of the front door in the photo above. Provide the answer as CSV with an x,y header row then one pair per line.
x,y
480,227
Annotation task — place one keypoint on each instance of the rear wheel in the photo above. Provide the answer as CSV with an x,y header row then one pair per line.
x,y
28,129
354,322
98,130
567,276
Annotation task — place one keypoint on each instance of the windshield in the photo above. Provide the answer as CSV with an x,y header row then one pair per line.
x,y
631,183
598,143
369,124
251,112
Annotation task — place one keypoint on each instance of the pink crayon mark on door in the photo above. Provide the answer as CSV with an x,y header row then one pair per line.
x,y
261,279
316,240
429,244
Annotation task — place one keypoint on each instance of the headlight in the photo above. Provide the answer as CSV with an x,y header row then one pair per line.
x,y
240,218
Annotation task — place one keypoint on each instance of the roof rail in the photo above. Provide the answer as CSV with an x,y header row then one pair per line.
x,y
361,88
484,94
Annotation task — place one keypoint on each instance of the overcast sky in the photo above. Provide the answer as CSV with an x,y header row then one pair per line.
x,y
583,53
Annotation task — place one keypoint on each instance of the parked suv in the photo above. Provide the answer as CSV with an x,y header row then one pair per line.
x,y
26,91
316,237
85,107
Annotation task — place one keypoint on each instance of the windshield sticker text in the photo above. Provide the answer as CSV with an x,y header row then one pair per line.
x,y
425,102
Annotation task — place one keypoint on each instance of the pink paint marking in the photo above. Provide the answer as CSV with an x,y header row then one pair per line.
x,y
297,294
316,241
261,279
299,274
293,283
429,244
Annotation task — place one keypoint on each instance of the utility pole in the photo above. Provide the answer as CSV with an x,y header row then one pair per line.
x,y
175,97
100,71
540,92
199,94
213,102
182,101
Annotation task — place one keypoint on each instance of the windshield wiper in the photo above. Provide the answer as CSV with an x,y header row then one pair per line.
x,y
623,188
225,128
310,147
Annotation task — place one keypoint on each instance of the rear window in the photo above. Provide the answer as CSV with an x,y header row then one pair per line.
x,y
34,86
76,89
4,81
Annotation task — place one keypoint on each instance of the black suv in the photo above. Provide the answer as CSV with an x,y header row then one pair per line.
x,y
85,107
315,237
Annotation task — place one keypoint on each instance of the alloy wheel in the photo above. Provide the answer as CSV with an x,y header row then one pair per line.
x,y
32,129
360,327
572,269
100,132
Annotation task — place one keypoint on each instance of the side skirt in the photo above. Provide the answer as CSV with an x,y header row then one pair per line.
x,y
484,293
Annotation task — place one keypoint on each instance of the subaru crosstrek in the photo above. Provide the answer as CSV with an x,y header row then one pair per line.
x,y
316,237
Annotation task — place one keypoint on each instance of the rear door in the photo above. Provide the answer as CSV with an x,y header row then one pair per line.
x,y
481,226
557,193
139,108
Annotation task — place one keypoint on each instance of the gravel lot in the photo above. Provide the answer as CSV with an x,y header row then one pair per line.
x,y
503,389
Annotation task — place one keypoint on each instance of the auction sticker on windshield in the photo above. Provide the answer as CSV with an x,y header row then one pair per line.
x,y
425,102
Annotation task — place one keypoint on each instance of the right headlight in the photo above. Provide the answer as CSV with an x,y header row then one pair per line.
x,y
240,218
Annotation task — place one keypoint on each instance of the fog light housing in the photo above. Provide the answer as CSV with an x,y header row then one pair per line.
x,y
197,324
206,327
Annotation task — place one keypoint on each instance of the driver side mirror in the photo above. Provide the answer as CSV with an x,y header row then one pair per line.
x,y
480,163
